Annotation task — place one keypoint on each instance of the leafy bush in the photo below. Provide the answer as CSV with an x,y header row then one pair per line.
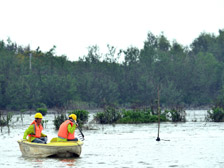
x,y
111,115
108,116
58,120
176,115
216,115
140,116
82,116
132,116
43,111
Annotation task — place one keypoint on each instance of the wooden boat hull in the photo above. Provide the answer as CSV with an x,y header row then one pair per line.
x,y
52,149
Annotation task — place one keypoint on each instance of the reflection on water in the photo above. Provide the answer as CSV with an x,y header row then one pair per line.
x,y
190,144
69,162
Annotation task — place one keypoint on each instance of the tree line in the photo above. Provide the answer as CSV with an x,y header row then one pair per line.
x,y
182,75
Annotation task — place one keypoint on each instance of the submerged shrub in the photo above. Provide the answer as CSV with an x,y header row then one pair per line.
x,y
108,116
176,115
43,111
216,114
82,116
140,116
3,122
9,117
58,120
44,123
112,115
132,116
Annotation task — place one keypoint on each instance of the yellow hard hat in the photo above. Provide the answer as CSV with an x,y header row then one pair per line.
x,y
38,115
73,116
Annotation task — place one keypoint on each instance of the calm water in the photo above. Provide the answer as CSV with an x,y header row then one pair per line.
x,y
190,144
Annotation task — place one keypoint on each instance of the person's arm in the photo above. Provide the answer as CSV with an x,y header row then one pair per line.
x,y
29,130
71,129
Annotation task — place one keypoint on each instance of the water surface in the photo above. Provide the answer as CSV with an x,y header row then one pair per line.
x,y
189,144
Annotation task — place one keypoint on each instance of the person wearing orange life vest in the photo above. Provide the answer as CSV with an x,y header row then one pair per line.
x,y
66,130
34,131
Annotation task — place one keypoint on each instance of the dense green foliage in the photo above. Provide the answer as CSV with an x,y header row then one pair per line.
x,y
82,116
43,111
112,115
216,114
140,116
176,115
58,120
186,76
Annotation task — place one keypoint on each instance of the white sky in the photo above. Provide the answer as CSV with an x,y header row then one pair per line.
x,y
73,25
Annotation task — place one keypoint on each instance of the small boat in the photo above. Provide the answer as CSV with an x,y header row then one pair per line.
x,y
52,149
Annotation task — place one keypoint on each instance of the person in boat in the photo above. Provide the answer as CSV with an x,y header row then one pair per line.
x,y
34,131
66,130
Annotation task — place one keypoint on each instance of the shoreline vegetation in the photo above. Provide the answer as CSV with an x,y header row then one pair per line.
x,y
113,115
162,77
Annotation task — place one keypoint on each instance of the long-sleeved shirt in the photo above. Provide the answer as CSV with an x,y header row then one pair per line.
x,y
71,130
30,130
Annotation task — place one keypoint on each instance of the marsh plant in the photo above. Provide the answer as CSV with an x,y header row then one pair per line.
x,y
176,115
216,114
112,115
9,118
44,123
43,111
4,121
58,120
22,115
82,116
140,116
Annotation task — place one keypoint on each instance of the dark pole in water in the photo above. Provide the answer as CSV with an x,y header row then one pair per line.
x,y
158,112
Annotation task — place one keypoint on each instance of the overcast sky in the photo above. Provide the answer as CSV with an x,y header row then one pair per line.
x,y
73,25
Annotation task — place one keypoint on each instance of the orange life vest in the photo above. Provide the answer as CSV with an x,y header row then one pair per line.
x,y
37,130
63,131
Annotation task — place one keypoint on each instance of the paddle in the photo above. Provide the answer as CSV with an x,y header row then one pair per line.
x,y
81,133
